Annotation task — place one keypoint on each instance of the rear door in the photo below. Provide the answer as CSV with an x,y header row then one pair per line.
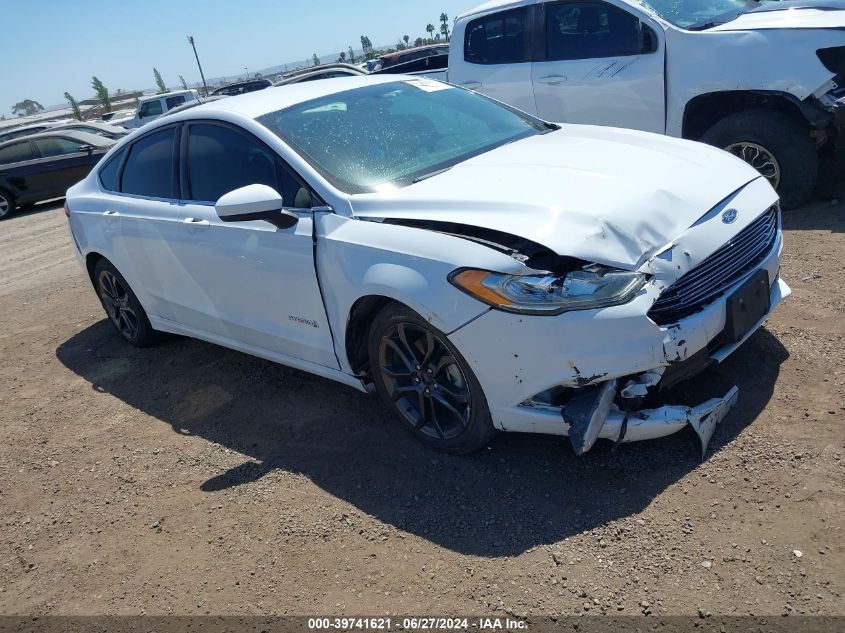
x,y
598,63
250,283
20,168
495,51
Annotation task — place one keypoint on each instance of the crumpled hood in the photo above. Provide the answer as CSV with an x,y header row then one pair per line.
x,y
791,14
605,195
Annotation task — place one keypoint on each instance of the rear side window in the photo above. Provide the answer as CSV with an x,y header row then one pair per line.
x,y
589,30
109,173
500,38
172,102
149,168
16,153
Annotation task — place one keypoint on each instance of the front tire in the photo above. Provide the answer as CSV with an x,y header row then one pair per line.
x,y
7,204
122,306
426,382
774,144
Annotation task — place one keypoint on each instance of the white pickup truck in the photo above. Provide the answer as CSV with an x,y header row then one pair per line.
x,y
763,81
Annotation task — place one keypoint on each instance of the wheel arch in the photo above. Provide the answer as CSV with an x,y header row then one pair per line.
x,y
91,261
705,110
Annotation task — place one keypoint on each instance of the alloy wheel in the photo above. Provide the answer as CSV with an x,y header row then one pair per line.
x,y
424,381
5,206
759,158
117,304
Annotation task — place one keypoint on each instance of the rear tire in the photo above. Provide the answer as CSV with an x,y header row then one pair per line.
x,y
777,145
426,382
122,306
7,204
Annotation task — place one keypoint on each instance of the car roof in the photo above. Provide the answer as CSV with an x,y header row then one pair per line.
x,y
163,95
493,5
405,51
255,104
81,137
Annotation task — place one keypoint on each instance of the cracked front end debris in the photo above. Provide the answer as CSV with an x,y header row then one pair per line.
x,y
594,415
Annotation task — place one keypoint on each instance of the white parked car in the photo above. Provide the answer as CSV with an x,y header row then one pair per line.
x,y
763,81
150,108
482,269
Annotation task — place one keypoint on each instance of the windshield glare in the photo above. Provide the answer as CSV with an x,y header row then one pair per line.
x,y
691,13
397,132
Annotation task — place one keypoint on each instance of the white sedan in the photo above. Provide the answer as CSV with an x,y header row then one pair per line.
x,y
481,269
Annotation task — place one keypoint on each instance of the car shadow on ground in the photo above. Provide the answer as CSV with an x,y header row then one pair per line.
x,y
521,492
826,210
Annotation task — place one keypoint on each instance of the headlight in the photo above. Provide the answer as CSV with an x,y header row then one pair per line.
x,y
549,294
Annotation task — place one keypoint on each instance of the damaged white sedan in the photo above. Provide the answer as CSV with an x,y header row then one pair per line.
x,y
482,269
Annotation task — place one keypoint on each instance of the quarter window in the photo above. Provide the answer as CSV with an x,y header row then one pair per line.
x,y
589,30
16,153
221,160
501,38
49,147
109,173
149,168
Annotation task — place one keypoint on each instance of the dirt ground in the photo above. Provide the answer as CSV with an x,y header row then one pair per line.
x,y
189,479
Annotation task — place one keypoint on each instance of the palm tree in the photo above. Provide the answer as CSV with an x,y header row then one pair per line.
x,y
444,26
407,39
342,57
430,30
74,106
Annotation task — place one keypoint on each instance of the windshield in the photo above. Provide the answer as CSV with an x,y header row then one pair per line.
x,y
700,14
396,133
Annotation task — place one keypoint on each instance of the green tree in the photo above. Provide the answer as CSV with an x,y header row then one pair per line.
x,y
159,81
102,93
444,26
74,105
342,57
183,82
27,107
430,30
315,59
406,39
351,55
419,41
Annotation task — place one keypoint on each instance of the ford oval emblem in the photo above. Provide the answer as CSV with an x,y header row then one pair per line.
x,y
729,216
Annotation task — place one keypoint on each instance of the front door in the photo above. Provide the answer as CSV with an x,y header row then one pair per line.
x,y
599,65
247,282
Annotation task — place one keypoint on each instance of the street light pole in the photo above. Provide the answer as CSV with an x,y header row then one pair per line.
x,y
194,46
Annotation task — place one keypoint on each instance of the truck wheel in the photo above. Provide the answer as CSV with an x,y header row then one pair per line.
x,y
775,145
426,382
7,204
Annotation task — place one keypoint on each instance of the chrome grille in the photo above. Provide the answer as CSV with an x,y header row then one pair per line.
x,y
709,280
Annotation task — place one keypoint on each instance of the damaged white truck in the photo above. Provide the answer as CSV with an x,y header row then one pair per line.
x,y
483,269
763,81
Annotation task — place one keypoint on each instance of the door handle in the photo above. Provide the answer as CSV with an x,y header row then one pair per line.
x,y
111,215
196,222
552,80
472,85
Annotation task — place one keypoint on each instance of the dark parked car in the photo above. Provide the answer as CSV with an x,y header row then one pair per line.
x,y
410,55
43,166
313,73
242,87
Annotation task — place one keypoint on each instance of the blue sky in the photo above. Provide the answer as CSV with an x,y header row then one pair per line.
x,y
50,47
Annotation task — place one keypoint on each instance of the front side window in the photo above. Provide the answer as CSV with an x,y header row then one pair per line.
x,y
149,168
396,133
49,147
150,108
500,38
172,102
588,30
16,153
221,159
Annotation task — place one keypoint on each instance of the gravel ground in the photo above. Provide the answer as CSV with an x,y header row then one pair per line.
x,y
191,479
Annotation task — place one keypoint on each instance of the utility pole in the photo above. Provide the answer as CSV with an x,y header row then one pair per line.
x,y
194,46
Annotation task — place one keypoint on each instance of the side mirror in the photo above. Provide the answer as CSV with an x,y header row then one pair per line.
x,y
255,202
88,149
